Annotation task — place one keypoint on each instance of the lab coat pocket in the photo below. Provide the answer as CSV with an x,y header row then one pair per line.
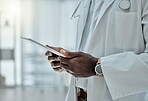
x,y
125,31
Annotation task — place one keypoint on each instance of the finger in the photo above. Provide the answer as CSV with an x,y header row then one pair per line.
x,y
55,64
53,59
48,53
59,69
65,66
68,54
60,50
64,60
70,72
65,52
55,48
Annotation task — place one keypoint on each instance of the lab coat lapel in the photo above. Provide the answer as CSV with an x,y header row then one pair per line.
x,y
83,22
106,4
74,14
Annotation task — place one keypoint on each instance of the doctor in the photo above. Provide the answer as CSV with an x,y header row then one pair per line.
x,y
112,36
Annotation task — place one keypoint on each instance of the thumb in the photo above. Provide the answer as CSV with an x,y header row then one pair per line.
x,y
68,54
54,48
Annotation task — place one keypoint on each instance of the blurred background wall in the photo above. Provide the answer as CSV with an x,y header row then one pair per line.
x,y
24,70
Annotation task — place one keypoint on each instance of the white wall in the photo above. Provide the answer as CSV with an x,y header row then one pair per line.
x,y
47,21
10,10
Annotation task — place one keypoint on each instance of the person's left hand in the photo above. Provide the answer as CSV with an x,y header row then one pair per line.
x,y
79,64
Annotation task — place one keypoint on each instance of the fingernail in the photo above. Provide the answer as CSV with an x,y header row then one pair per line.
x,y
62,51
59,58
61,70
50,54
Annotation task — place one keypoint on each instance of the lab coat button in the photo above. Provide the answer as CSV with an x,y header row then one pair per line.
x,y
125,4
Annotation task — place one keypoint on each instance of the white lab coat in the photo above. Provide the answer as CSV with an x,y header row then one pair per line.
x,y
120,39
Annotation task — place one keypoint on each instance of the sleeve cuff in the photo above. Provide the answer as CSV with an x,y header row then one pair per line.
x,y
122,75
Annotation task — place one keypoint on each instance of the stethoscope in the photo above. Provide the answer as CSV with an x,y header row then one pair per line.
x,y
125,5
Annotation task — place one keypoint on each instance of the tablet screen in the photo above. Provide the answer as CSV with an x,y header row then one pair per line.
x,y
43,46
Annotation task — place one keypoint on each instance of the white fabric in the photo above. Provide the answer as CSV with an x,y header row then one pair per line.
x,y
120,38
89,26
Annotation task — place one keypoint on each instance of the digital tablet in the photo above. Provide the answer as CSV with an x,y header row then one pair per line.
x,y
43,46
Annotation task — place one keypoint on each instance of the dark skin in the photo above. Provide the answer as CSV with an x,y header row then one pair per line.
x,y
79,64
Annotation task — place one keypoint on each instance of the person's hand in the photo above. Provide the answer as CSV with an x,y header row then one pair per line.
x,y
78,64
